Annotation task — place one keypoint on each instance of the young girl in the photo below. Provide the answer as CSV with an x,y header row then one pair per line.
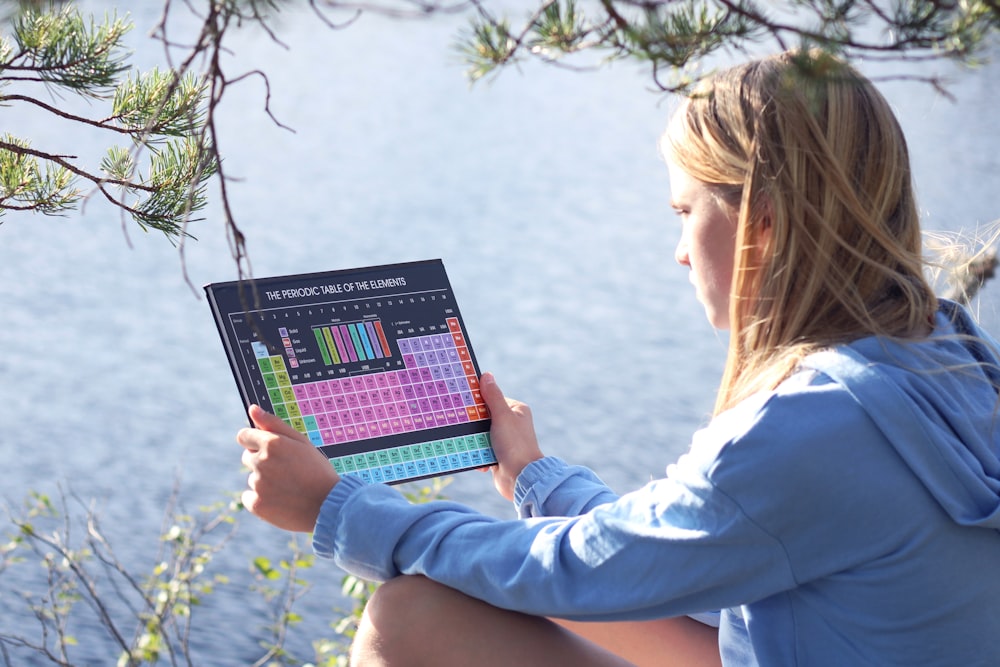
x,y
841,508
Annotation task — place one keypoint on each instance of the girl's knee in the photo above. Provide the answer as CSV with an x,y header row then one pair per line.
x,y
396,622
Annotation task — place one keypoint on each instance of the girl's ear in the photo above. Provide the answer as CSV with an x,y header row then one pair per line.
x,y
760,220
764,213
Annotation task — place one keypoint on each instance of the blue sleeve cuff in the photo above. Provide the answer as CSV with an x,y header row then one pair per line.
x,y
324,535
536,482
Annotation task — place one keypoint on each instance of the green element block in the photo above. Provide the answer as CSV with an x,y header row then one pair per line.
x,y
338,465
270,381
428,449
449,446
484,440
281,411
358,347
361,462
406,453
439,449
395,455
275,396
322,347
372,459
383,458
349,464
265,365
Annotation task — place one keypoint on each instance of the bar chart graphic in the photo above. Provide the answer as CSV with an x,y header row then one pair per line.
x,y
380,377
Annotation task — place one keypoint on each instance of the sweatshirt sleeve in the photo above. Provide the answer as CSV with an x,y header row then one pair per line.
x,y
620,559
550,487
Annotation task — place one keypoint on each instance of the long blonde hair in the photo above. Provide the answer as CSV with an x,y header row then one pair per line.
x,y
810,159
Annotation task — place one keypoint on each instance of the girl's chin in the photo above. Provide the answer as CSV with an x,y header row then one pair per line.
x,y
718,319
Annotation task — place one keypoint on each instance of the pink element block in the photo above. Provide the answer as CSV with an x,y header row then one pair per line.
x,y
312,391
316,405
323,421
335,387
370,382
381,381
300,392
324,388
440,419
392,378
451,417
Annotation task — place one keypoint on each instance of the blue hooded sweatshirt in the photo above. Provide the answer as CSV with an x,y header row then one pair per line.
x,y
850,516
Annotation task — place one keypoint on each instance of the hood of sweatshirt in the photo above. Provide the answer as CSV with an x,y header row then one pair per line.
x,y
945,425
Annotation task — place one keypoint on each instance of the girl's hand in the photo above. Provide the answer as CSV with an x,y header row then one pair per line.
x,y
289,478
512,434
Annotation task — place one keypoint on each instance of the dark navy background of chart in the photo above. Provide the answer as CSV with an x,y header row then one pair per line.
x,y
427,300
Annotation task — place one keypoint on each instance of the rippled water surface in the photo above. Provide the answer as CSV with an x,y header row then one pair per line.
x,y
542,192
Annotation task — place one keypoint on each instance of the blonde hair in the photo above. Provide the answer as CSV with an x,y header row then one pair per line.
x,y
810,159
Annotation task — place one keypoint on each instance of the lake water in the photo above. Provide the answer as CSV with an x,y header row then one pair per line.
x,y
542,192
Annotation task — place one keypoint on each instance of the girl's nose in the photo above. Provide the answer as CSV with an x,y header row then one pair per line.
x,y
681,253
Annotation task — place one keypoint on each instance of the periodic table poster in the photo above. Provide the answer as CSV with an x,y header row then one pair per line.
x,y
373,365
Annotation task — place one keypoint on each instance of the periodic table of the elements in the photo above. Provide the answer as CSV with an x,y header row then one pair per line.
x,y
373,365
